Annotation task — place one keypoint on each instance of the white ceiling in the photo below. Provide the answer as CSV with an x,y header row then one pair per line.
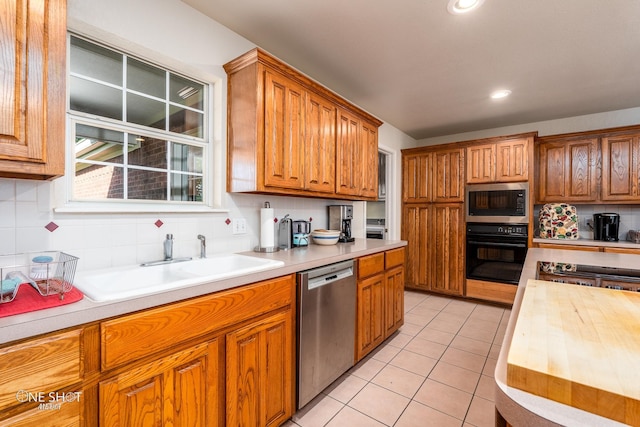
x,y
430,73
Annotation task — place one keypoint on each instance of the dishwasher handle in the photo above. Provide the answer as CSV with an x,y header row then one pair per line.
x,y
327,279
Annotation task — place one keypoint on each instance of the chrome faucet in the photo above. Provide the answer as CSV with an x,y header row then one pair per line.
x,y
203,246
168,248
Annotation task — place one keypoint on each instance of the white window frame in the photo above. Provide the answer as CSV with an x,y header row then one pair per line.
x,y
212,176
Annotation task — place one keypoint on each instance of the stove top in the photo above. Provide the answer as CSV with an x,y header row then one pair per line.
x,y
595,275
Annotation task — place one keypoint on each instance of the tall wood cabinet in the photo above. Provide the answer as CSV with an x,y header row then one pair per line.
x,y
289,135
433,188
32,102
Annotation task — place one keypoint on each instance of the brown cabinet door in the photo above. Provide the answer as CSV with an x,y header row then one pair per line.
x,y
620,168
369,161
32,104
370,314
416,178
394,300
284,131
260,360
320,154
512,160
181,389
481,164
348,153
567,171
447,248
418,234
448,175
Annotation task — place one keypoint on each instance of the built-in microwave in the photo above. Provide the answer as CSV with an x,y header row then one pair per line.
x,y
499,203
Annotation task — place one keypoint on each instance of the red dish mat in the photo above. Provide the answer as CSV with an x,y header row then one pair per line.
x,y
28,299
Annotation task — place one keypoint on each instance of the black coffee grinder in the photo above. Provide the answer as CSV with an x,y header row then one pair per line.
x,y
340,217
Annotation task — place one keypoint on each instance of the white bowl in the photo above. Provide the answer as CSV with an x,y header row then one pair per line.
x,y
326,240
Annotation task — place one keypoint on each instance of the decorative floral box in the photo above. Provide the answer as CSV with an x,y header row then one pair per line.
x,y
558,221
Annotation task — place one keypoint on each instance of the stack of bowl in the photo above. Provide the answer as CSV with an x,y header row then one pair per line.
x,y
325,237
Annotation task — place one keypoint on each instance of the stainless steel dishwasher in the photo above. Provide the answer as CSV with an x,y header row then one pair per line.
x,y
326,327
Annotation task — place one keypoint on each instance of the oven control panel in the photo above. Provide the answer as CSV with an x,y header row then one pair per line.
x,y
497,229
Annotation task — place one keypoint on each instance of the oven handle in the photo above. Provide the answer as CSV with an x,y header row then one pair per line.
x,y
504,245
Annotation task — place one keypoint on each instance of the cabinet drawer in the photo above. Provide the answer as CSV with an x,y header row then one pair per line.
x,y
370,265
393,257
41,365
132,337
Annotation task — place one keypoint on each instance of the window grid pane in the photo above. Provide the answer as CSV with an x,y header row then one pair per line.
x,y
150,168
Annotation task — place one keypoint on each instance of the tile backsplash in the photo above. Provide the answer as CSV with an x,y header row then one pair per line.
x,y
103,240
629,218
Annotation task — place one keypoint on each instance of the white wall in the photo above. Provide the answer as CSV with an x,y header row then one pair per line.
x,y
604,120
175,35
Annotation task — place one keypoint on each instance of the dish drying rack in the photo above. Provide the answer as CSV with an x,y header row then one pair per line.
x,y
48,272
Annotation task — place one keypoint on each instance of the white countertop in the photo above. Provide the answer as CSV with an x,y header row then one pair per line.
x,y
85,311
589,242
552,413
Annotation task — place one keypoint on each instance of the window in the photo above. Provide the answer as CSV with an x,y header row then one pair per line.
x,y
139,131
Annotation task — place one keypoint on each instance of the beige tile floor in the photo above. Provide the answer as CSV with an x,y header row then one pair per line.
x,y
437,371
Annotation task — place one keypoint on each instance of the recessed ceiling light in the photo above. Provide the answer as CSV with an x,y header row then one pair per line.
x,y
457,7
499,94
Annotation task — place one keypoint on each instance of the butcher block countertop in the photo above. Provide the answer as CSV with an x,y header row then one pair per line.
x,y
579,346
570,373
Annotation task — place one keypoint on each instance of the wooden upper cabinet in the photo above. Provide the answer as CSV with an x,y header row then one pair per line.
x,y
369,161
416,178
481,166
512,160
32,102
567,171
505,161
288,135
284,132
320,167
620,164
448,175
348,153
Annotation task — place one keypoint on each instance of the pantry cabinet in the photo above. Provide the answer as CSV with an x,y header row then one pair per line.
x,y
503,161
288,135
567,170
620,164
433,176
32,103
380,299
435,251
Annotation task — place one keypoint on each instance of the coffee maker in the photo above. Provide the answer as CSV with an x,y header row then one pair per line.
x,y
340,217
605,226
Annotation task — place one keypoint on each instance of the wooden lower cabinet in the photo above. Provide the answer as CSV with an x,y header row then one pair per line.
x,y
380,299
180,389
491,291
40,366
260,372
370,311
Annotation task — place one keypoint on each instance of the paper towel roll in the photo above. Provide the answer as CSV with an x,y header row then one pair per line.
x,y
267,228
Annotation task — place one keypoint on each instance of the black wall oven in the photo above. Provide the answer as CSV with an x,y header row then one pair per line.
x,y
496,252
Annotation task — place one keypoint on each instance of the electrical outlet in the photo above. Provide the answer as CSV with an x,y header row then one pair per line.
x,y
239,226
